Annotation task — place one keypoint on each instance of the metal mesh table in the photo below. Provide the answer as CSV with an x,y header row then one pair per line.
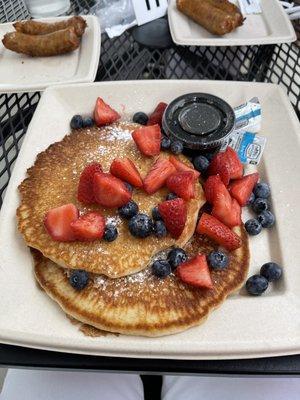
x,y
123,58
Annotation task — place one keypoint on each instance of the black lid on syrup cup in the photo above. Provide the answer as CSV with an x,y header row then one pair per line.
x,y
200,121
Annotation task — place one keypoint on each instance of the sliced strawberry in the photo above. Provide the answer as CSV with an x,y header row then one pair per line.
x,y
220,233
195,272
110,191
227,210
181,167
58,221
104,114
156,116
235,165
212,186
183,184
158,174
227,165
89,227
85,192
242,188
147,139
174,214
125,169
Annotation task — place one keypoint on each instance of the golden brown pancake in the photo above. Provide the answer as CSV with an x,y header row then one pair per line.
x,y
53,181
142,304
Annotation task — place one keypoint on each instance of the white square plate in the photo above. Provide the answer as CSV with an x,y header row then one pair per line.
x,y
243,326
271,26
21,73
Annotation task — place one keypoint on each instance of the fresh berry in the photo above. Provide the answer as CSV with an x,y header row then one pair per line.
x,y
140,118
212,186
110,191
79,279
85,192
89,227
87,122
182,184
161,268
241,189
155,214
271,271
262,190
58,221
110,233
195,272
266,218
147,139
176,257
260,205
140,225
227,165
158,174
124,168
159,229
129,187
129,210
209,156
182,167
256,285
176,147
104,114
251,199
201,164
174,214
220,233
156,116
253,226
217,260
76,122
165,143
171,196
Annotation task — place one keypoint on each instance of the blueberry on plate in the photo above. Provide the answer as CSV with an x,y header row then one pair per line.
x,y
209,156
262,190
128,210
171,196
165,143
76,122
176,147
159,229
140,118
140,225
259,205
217,260
161,268
256,285
201,163
79,279
129,187
176,257
110,233
266,218
253,226
271,271
251,199
87,122
156,214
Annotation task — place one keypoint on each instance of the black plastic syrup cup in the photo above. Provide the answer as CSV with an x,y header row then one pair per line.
x,y
200,121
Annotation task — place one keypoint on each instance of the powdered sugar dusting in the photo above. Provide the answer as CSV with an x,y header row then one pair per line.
x,y
118,133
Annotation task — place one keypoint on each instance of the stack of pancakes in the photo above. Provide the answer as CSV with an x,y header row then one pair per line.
x,y
122,294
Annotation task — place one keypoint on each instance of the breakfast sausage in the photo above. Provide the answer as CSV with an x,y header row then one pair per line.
x,y
33,27
230,8
205,14
52,44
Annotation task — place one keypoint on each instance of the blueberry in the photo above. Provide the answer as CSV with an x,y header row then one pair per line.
x,y
76,122
218,259
176,147
140,225
253,227
262,190
128,210
201,163
79,279
256,285
161,268
140,118
171,196
209,156
110,233
156,214
176,257
87,122
165,143
271,271
251,199
160,229
260,205
266,218
129,187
